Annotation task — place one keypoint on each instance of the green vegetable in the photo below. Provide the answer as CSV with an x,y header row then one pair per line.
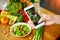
x,y
11,16
14,8
20,18
14,0
23,5
38,33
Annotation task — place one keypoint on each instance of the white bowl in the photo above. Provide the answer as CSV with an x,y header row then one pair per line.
x,y
17,25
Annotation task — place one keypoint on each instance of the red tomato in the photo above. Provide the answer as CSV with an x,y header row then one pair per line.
x,y
21,11
24,14
26,19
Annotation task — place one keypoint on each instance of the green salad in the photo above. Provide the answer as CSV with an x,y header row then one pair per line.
x,y
20,30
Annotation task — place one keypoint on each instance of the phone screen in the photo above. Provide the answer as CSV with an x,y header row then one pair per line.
x,y
34,16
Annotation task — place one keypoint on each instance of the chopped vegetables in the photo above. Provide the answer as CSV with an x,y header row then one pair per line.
x,y
38,33
20,30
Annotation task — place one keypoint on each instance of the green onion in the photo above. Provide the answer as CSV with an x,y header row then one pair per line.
x,y
38,33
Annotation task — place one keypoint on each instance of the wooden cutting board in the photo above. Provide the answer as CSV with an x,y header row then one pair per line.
x,y
50,32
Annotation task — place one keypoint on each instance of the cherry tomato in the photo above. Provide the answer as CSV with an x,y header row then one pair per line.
x,y
21,11
26,19
24,15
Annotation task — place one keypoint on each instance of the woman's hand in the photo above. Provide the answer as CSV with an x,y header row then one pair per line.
x,y
48,19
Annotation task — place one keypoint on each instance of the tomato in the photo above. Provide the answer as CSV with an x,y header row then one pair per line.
x,y
21,11
26,19
24,15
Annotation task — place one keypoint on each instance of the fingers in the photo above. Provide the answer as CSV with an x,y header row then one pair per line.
x,y
49,22
47,18
43,17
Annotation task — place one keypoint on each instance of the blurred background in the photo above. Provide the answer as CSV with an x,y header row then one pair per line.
x,y
52,5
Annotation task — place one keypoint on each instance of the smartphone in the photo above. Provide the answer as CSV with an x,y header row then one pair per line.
x,y
33,15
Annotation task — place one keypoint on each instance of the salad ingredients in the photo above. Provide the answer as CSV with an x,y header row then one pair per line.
x,y
4,20
12,21
14,7
11,16
25,17
20,30
38,33
24,5
4,13
20,18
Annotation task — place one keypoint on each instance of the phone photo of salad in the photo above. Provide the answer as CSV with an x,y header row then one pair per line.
x,y
34,16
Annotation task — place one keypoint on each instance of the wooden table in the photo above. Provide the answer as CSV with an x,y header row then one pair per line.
x,y
50,32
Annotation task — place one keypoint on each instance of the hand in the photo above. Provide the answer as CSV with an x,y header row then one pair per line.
x,y
48,19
